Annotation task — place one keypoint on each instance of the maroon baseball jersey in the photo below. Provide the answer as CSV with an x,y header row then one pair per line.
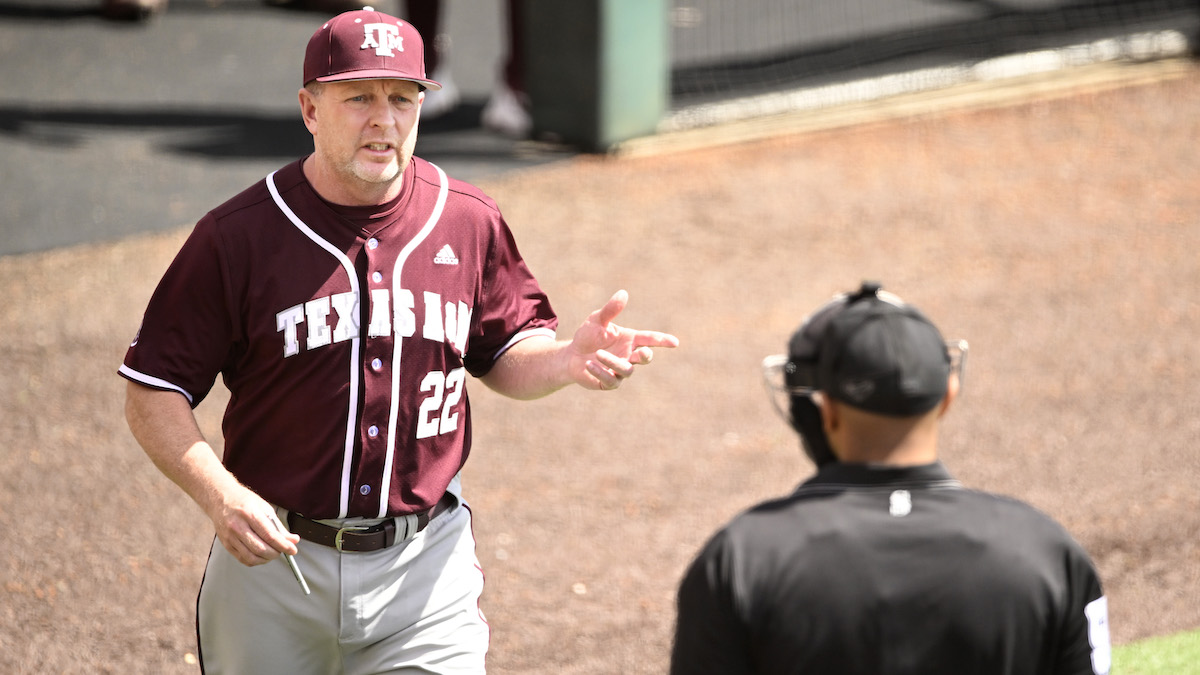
x,y
343,334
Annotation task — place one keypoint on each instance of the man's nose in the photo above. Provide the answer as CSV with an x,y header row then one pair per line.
x,y
381,114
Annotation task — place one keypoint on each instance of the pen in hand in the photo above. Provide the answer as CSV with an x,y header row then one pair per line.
x,y
291,559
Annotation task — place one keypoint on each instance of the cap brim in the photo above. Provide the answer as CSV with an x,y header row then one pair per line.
x,y
379,75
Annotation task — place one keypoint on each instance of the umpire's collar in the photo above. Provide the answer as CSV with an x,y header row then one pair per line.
x,y
868,475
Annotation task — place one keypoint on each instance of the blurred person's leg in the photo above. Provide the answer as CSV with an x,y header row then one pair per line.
x,y
507,110
426,17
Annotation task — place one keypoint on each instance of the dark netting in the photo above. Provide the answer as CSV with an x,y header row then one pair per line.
x,y
724,49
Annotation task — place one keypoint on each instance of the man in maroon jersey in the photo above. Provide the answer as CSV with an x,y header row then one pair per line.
x,y
343,300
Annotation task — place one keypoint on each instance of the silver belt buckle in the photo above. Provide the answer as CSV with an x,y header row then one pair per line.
x,y
337,538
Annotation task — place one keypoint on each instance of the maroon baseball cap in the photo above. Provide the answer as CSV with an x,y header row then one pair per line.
x,y
364,44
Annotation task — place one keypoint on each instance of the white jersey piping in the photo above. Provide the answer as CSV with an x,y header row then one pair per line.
x,y
355,342
544,332
398,342
154,382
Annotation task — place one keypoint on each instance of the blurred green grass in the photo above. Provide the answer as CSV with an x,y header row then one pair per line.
x,y
1177,654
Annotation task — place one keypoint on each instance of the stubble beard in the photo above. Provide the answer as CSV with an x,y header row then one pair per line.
x,y
366,181
375,173
378,175
370,181
371,176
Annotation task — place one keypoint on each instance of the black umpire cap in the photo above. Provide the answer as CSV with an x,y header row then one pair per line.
x,y
870,350
883,356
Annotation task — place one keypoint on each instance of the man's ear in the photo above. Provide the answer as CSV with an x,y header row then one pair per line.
x,y
308,109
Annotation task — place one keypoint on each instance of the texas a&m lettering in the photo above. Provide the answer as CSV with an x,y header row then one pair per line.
x,y
383,38
334,318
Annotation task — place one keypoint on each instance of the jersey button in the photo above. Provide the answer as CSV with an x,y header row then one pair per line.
x,y
376,364
377,277
372,243
364,490
372,431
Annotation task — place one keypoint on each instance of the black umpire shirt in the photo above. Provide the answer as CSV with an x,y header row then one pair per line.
x,y
891,571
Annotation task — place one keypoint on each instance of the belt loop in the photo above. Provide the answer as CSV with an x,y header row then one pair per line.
x,y
389,534
411,522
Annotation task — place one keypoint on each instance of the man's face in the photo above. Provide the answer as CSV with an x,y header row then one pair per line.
x,y
363,131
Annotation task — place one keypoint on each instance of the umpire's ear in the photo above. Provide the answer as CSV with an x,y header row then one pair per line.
x,y
830,419
952,388
832,422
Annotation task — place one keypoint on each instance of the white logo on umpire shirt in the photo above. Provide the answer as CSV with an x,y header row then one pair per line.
x,y
900,504
383,37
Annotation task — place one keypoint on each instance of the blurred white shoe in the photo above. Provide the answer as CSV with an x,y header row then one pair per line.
x,y
507,112
442,101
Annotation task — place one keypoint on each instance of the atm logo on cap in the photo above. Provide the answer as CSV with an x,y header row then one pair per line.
x,y
383,38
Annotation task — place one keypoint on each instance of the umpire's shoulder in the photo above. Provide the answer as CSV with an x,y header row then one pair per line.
x,y
762,522
1015,517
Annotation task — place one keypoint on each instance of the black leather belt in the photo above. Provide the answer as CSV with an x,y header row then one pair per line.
x,y
364,539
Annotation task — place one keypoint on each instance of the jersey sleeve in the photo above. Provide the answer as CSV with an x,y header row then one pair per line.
x,y
710,636
186,331
513,306
1086,644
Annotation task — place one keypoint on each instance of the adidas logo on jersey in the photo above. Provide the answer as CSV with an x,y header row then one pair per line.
x,y
445,256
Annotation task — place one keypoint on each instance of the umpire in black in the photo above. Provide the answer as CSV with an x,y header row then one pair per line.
x,y
882,562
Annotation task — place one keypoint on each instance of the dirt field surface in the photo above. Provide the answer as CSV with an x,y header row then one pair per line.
x,y
1058,236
